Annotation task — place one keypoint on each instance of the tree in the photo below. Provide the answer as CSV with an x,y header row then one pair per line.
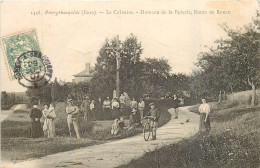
x,y
55,91
155,73
244,55
4,98
234,64
103,82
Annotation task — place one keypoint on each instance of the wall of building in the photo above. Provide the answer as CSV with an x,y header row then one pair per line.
x,y
82,79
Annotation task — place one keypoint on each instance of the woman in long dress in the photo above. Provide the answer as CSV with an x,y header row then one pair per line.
x,y
115,108
49,124
35,115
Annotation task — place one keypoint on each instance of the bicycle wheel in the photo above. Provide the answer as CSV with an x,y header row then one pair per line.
x,y
151,128
147,131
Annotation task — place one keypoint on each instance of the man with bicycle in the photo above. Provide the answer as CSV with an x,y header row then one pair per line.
x,y
155,114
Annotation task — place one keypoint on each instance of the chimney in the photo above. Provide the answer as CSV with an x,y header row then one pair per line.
x,y
87,68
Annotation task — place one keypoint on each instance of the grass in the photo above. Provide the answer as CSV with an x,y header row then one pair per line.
x,y
244,97
232,142
16,144
15,149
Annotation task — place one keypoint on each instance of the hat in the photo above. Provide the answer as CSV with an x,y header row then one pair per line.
x,y
69,100
151,104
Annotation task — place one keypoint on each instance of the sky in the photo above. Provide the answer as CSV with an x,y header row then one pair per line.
x,y
71,41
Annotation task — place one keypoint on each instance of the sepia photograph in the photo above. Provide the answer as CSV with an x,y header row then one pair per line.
x,y
130,84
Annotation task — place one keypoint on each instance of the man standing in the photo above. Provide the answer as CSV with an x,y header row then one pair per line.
x,y
176,103
35,115
73,118
155,114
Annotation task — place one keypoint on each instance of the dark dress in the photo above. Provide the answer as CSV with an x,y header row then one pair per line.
x,y
204,125
133,120
36,130
99,110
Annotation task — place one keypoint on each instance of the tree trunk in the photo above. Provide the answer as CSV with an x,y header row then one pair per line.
x,y
253,94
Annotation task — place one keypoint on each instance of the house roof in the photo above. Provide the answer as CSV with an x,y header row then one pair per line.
x,y
84,74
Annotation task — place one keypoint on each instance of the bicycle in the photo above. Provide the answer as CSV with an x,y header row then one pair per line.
x,y
148,127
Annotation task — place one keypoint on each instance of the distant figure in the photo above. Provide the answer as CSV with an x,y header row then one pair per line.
x,y
127,99
35,115
49,125
122,99
176,103
107,108
85,108
73,118
141,106
155,114
99,110
115,108
115,127
133,104
133,119
92,110
204,110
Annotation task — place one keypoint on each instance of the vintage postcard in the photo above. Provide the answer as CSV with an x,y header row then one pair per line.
x,y
105,84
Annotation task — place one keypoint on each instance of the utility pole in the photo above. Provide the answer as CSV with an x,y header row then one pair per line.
x,y
118,61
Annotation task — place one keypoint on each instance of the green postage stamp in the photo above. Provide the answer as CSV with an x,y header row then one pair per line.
x,y
24,59
15,45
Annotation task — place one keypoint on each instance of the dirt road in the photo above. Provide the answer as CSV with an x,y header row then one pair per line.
x,y
119,152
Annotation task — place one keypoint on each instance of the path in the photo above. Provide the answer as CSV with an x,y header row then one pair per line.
x,y
119,152
6,113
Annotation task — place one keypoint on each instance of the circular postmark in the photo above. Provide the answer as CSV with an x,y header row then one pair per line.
x,y
32,70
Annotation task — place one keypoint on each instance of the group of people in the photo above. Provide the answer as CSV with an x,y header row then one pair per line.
x,y
105,110
111,109
47,129
135,119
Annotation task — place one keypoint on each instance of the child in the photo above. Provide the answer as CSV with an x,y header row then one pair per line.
x,y
115,127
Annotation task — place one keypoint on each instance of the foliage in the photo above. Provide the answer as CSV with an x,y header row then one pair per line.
x,y
40,95
103,82
137,77
232,142
7,101
55,91
58,92
233,65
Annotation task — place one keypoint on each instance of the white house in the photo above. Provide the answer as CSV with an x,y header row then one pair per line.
x,y
85,75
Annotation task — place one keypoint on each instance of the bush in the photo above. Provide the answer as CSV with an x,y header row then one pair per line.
x,y
232,142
